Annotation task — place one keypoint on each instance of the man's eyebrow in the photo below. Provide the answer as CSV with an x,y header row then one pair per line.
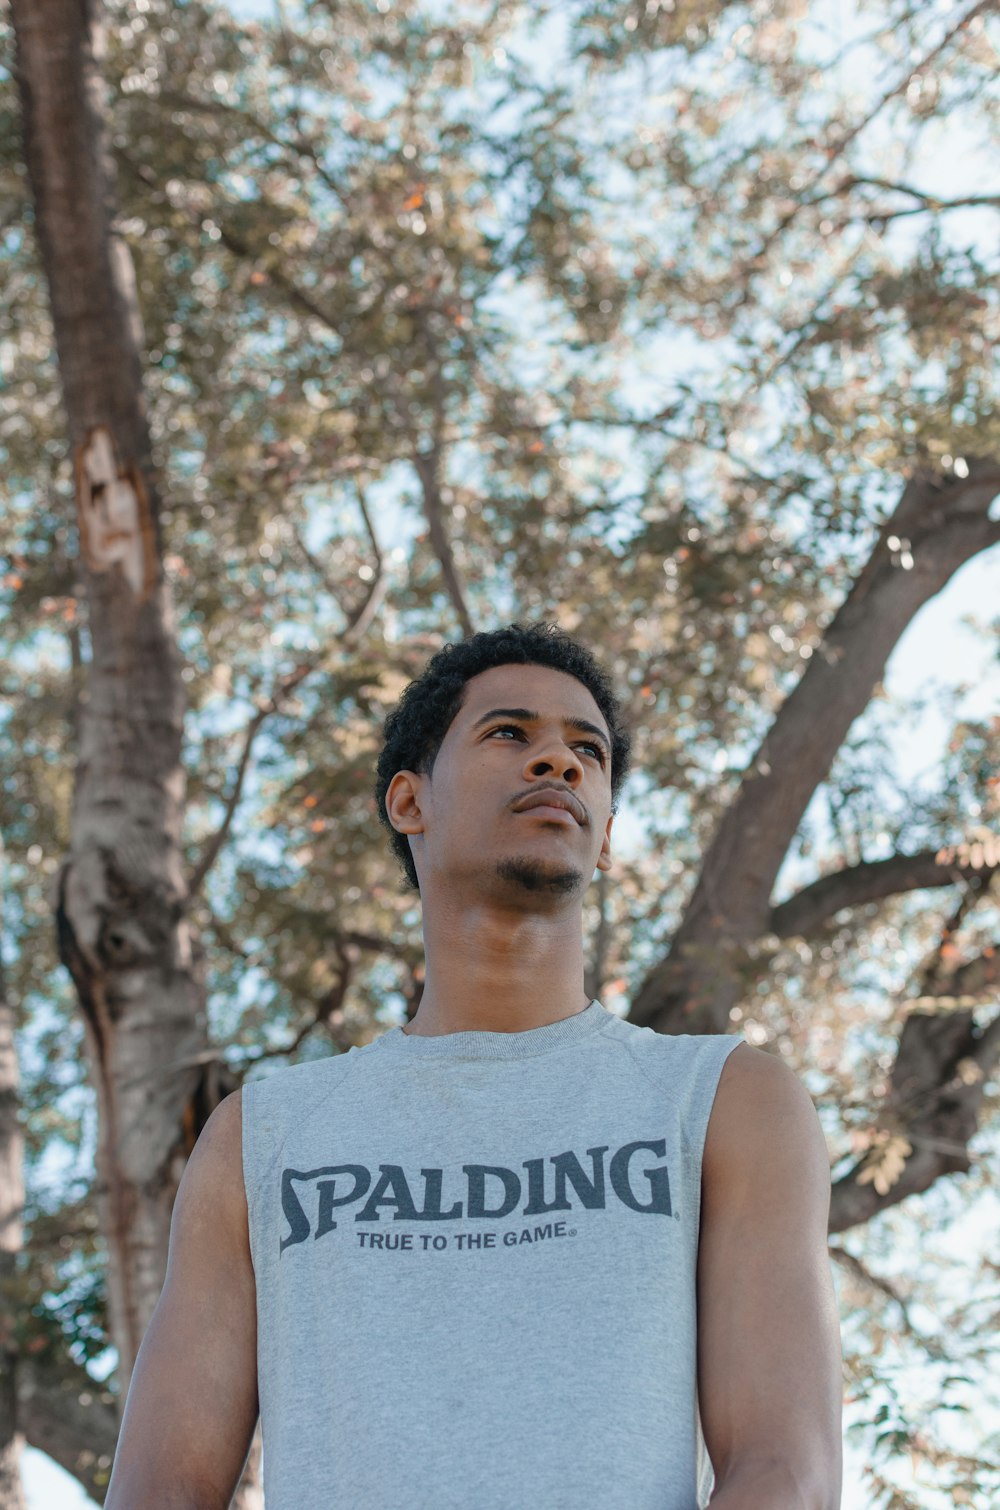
x,y
526,716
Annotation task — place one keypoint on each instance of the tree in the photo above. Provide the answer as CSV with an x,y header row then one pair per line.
x,y
393,284
121,898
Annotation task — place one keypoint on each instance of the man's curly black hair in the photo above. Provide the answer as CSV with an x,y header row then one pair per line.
x,y
415,729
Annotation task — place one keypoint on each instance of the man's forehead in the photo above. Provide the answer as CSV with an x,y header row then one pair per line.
x,y
538,688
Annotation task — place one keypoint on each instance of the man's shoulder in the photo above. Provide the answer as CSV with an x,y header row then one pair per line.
x,y
212,1183
222,1134
762,1109
754,1080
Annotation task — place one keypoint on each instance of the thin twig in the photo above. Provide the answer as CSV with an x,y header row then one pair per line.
x,y
214,844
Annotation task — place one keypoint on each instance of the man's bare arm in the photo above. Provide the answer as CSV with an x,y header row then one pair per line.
x,y
769,1355
192,1402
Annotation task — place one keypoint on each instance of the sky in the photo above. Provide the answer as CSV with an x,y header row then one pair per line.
x,y
937,648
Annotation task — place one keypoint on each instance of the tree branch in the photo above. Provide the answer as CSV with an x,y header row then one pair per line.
x,y
938,1082
426,466
810,909
72,1419
213,846
358,623
884,1287
297,297
933,974
327,1010
178,100
979,976
946,522
928,203
837,148
358,619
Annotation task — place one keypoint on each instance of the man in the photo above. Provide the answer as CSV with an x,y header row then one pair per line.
x,y
518,1251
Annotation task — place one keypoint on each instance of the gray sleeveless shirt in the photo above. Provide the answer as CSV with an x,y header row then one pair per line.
x,y
475,1258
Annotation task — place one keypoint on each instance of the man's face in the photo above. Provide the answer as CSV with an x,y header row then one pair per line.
x,y
464,827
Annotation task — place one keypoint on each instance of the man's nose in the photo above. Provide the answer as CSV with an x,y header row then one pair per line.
x,y
559,760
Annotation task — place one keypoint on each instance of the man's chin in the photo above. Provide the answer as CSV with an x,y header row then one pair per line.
x,y
530,874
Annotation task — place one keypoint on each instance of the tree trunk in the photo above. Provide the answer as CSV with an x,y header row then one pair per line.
x,y
121,895
11,1206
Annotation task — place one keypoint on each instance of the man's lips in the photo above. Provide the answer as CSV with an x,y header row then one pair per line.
x,y
552,802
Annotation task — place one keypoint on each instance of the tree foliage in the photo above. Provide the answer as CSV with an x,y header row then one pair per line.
x,y
633,315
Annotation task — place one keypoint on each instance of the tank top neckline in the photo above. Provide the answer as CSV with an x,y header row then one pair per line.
x,y
481,1044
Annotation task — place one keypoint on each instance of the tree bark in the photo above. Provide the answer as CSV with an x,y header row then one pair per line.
x,y
72,1419
122,932
810,909
121,895
11,1207
942,1065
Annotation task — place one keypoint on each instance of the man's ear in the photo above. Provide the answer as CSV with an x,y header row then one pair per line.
x,y
604,860
402,802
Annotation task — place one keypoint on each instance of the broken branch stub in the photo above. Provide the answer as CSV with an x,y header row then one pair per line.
x,y
116,525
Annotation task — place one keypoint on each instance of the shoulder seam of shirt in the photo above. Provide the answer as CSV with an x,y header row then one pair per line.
x,y
631,1049
276,1153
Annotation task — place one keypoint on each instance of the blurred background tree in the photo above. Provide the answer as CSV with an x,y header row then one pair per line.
x,y
652,319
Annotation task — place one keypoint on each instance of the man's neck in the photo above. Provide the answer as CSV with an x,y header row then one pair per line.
x,y
498,969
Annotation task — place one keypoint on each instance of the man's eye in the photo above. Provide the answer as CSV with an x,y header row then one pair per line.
x,y
585,744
